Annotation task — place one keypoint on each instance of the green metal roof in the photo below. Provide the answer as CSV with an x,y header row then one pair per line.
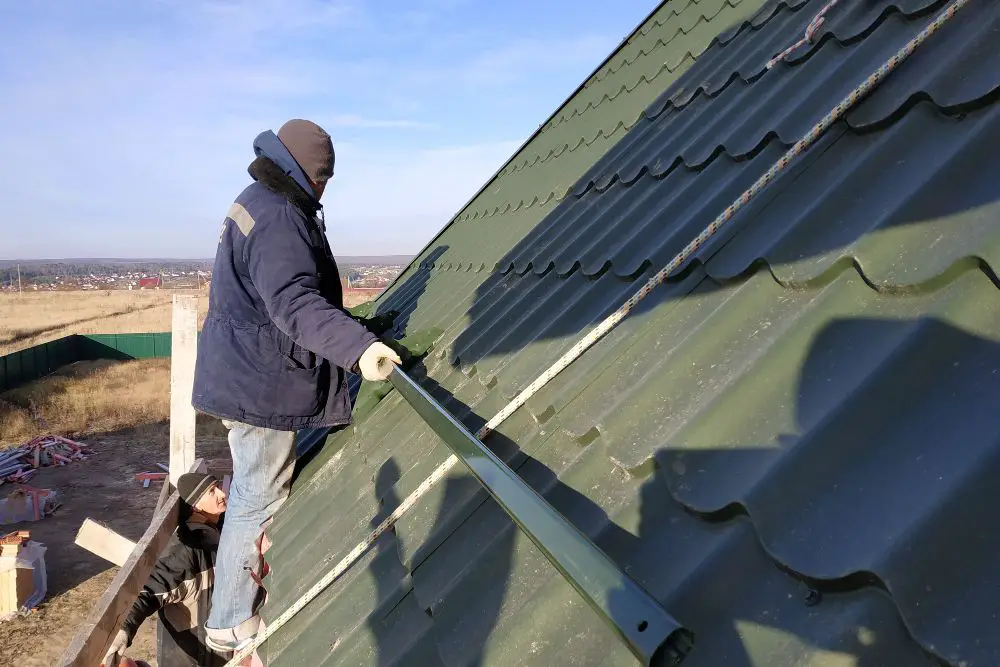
x,y
592,120
790,445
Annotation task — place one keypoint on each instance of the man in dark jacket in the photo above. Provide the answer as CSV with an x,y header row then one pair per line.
x,y
179,589
274,351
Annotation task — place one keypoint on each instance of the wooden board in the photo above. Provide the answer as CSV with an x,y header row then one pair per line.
x,y
95,633
183,353
104,542
165,491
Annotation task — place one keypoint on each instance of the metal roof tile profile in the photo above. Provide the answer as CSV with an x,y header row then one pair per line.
x,y
791,444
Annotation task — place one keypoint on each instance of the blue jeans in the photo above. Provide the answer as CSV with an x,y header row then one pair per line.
x,y
263,463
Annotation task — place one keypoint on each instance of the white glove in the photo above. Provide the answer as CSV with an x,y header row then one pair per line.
x,y
376,362
118,644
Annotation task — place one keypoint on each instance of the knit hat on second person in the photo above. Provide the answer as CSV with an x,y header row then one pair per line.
x,y
311,147
191,486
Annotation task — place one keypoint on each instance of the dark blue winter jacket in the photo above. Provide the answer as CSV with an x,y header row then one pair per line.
x,y
277,344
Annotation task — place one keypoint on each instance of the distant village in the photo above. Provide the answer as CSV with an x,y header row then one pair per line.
x,y
66,276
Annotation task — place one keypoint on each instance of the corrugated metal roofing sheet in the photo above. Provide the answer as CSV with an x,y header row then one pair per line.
x,y
791,444
591,122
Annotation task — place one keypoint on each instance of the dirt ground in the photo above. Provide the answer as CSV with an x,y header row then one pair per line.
x,y
35,318
120,410
104,489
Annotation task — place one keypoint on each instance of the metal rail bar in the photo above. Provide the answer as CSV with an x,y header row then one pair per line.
x,y
638,619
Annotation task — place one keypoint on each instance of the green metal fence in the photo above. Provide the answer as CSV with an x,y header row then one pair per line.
x,y
125,346
23,366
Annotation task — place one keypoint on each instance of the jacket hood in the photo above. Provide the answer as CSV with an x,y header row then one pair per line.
x,y
268,145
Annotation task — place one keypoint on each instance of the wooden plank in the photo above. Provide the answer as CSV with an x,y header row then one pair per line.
x,y
165,491
94,635
183,352
104,542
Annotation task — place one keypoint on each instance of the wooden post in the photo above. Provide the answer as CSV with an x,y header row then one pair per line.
x,y
95,633
183,352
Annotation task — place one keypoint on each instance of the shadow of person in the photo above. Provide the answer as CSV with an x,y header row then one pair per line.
x,y
770,551
456,631
385,569
749,591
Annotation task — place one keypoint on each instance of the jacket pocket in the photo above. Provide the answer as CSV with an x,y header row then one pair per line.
x,y
295,356
280,386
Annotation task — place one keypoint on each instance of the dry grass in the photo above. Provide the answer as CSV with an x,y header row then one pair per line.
x,y
120,410
38,317
356,297
43,316
92,397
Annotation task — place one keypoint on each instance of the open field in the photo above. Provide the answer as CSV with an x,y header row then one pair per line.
x,y
120,409
92,397
38,317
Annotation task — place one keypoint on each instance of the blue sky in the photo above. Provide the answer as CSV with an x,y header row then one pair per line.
x,y
128,124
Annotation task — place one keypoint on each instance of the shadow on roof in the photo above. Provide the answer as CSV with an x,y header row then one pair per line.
x,y
828,505
903,206
902,187
755,547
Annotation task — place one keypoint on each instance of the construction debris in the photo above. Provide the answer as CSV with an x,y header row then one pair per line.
x,y
147,477
28,503
20,464
23,582
16,538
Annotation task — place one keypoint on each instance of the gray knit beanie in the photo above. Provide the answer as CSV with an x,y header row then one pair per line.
x,y
311,147
191,486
